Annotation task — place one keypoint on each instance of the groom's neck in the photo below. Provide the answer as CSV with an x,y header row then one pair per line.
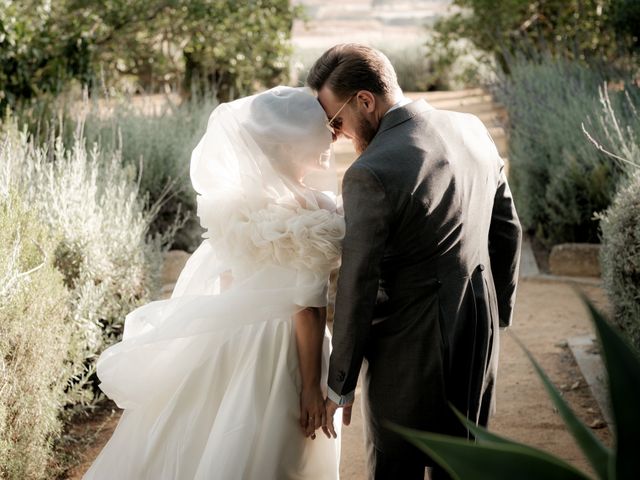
x,y
388,101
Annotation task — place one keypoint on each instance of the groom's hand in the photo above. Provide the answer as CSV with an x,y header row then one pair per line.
x,y
330,408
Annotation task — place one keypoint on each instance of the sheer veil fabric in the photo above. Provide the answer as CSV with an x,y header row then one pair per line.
x,y
209,378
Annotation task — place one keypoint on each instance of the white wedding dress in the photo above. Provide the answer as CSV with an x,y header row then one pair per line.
x,y
209,379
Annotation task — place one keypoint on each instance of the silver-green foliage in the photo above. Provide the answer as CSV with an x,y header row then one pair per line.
x,y
560,181
34,340
104,253
620,224
620,257
156,138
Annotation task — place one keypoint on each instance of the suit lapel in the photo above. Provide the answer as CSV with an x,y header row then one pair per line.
x,y
402,114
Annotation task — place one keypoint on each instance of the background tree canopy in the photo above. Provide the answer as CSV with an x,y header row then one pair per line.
x,y
577,29
228,46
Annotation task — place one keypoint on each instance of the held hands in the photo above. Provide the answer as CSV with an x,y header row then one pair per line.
x,y
331,407
312,411
316,412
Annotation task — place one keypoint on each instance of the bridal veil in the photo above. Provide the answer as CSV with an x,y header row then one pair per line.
x,y
209,378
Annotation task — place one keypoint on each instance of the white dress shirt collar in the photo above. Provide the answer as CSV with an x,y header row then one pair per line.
x,y
400,103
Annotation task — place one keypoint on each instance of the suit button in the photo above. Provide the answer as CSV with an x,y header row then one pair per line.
x,y
481,267
341,376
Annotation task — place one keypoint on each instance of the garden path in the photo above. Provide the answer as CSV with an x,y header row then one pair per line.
x,y
548,311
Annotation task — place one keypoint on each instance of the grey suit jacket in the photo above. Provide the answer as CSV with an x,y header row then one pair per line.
x,y
429,268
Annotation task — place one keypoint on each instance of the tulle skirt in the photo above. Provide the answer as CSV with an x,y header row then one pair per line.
x,y
210,389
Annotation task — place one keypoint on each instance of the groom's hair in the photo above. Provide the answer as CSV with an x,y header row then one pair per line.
x,y
349,67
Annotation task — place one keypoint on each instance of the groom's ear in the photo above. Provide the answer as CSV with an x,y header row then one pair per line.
x,y
367,100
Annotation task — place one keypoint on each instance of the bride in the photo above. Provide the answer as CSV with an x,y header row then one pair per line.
x,y
227,378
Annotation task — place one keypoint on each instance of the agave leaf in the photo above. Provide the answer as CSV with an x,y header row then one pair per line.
x,y
623,369
483,435
464,459
598,455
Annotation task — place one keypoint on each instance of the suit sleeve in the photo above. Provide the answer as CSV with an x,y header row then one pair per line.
x,y
367,215
505,238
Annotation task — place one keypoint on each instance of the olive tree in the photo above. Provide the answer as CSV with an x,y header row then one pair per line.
x,y
223,45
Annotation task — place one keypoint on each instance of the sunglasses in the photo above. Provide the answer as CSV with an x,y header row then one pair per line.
x,y
332,124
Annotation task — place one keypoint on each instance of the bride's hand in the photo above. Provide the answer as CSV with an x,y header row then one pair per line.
x,y
312,412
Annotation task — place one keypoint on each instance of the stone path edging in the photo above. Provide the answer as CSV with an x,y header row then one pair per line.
x,y
586,353
583,348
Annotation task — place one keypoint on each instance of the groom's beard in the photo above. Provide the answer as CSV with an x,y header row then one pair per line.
x,y
365,133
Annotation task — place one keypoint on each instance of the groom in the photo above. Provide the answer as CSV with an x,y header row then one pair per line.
x,y
430,261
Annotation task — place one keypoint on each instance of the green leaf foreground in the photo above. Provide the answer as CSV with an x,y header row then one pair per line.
x,y
598,455
622,364
495,457
495,460
482,435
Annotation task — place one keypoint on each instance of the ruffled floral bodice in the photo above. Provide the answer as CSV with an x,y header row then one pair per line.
x,y
250,235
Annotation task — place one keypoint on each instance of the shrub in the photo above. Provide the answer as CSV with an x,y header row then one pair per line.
x,y
154,134
104,254
233,47
584,29
156,140
34,340
415,69
620,254
559,180
620,258
38,51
